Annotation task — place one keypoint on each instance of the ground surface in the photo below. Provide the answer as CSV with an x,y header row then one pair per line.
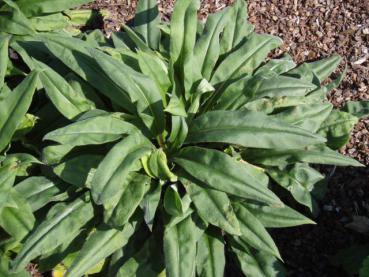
x,y
311,29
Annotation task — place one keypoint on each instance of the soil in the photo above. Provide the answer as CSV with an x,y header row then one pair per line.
x,y
311,29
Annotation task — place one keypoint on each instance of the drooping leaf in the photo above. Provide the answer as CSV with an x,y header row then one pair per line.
x,y
148,261
150,203
277,217
14,107
253,231
39,191
249,129
309,117
210,258
180,249
357,108
101,244
142,90
299,180
16,216
314,154
93,130
337,128
121,160
259,264
37,7
242,61
221,172
129,201
212,205
79,170
62,219
74,54
13,21
68,101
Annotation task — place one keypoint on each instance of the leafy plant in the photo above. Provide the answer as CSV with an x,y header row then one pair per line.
x,y
176,137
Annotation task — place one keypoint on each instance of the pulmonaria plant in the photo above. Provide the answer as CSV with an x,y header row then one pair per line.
x,y
179,139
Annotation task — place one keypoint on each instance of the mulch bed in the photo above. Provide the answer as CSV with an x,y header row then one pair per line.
x,y
311,29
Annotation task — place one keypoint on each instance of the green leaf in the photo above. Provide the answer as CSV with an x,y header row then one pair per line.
x,y
309,117
278,66
61,219
13,21
210,258
37,7
357,108
221,172
323,68
4,60
173,202
51,22
337,128
25,126
147,22
68,101
142,90
150,203
243,127
154,67
39,191
101,244
94,130
179,132
299,180
147,262
16,216
269,105
253,231
14,107
121,160
207,48
180,249
183,35
242,61
269,85
21,162
277,217
129,201
259,264
315,154
212,206
74,54
237,28
79,170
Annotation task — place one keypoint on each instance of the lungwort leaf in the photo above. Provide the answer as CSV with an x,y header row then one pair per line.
x,y
14,107
147,22
93,130
122,159
249,129
62,219
180,248
101,244
212,205
221,172
37,7
210,258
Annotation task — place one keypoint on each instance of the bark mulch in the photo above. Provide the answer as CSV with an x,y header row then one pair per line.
x,y
311,29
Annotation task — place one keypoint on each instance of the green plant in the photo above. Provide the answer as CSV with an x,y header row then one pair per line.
x,y
175,129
